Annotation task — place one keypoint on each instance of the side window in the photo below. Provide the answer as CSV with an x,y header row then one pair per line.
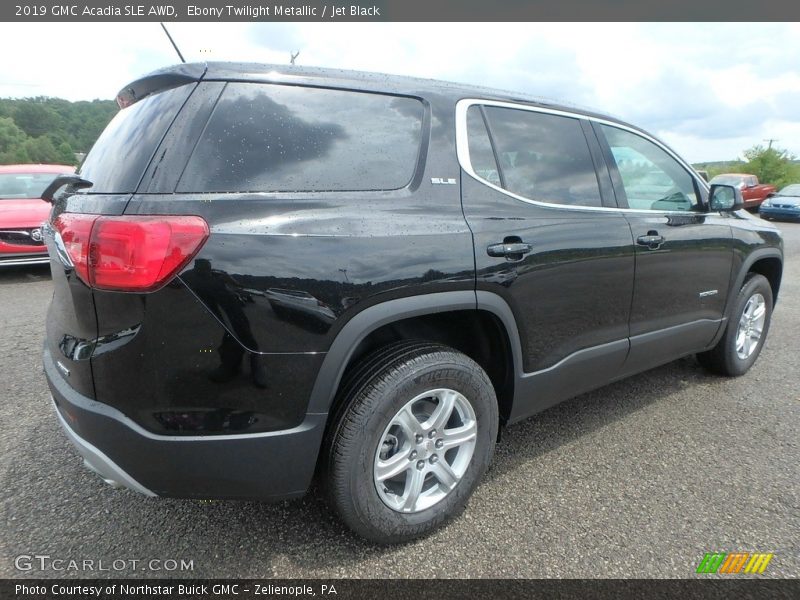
x,y
481,154
282,138
653,180
543,157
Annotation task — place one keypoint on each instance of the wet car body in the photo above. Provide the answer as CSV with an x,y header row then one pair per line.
x,y
222,382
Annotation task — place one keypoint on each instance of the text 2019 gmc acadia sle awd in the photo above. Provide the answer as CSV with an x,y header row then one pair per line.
x,y
264,273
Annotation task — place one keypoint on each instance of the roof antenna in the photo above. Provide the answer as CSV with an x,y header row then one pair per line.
x,y
294,55
174,45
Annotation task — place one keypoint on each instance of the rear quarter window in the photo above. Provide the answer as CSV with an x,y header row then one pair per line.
x,y
277,138
120,155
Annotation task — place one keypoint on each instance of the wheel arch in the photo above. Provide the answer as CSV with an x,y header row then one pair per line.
x,y
767,262
771,267
431,308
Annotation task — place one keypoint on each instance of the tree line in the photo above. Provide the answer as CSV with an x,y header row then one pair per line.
x,y
769,164
50,130
53,130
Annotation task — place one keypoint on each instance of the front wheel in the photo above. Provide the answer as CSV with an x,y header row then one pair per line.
x,y
745,332
415,433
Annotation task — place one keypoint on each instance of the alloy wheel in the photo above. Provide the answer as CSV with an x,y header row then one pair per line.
x,y
751,326
425,450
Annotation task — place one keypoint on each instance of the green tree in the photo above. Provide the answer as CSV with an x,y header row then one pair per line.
x,y
66,156
35,118
12,142
771,165
41,150
70,127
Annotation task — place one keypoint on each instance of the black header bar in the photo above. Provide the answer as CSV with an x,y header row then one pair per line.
x,y
399,10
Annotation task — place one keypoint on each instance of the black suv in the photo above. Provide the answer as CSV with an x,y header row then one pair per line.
x,y
264,273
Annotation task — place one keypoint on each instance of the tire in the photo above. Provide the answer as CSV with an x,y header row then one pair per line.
x,y
366,433
728,357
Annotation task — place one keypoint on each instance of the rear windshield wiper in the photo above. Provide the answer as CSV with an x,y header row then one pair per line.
x,y
61,181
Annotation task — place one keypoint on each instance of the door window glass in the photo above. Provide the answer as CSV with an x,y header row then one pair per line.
x,y
651,178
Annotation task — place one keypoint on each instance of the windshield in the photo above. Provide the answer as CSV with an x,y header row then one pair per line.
x,y
24,185
790,190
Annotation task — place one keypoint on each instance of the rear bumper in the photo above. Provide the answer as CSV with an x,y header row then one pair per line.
x,y
97,461
274,465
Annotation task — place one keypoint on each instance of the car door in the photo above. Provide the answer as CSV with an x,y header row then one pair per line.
x,y
684,253
546,243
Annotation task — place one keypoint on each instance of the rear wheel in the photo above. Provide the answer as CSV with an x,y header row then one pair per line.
x,y
414,434
745,332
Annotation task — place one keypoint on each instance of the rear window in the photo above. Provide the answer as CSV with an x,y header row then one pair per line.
x,y
265,138
122,152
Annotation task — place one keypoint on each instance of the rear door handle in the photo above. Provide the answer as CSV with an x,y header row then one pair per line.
x,y
512,250
652,240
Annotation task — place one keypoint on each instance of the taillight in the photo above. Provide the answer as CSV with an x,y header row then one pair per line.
x,y
75,231
130,253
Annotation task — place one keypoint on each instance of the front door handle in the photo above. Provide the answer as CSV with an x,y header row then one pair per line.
x,y
509,250
652,240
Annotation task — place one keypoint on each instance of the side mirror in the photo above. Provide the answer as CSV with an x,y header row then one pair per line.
x,y
725,198
61,181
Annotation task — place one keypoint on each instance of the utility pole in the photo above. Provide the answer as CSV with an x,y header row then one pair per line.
x,y
770,140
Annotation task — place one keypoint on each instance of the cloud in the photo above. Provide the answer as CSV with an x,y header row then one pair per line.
x,y
712,89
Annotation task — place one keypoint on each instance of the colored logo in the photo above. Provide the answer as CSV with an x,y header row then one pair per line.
x,y
734,562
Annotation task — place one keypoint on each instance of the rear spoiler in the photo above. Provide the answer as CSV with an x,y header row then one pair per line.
x,y
160,80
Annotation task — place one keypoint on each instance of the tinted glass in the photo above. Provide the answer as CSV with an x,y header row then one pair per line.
x,y
289,138
480,148
652,179
124,149
543,157
24,185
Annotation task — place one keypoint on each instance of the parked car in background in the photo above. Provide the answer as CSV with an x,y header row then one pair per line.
x,y
22,211
753,192
784,204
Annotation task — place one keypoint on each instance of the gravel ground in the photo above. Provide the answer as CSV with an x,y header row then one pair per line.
x,y
638,479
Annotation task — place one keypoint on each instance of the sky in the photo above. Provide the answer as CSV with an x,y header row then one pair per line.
x,y
709,90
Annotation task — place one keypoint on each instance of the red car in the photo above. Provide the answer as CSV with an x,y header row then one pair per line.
x,y
22,211
753,192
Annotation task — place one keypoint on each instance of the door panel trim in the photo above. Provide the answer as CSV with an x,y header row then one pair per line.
x,y
654,348
592,368
580,372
